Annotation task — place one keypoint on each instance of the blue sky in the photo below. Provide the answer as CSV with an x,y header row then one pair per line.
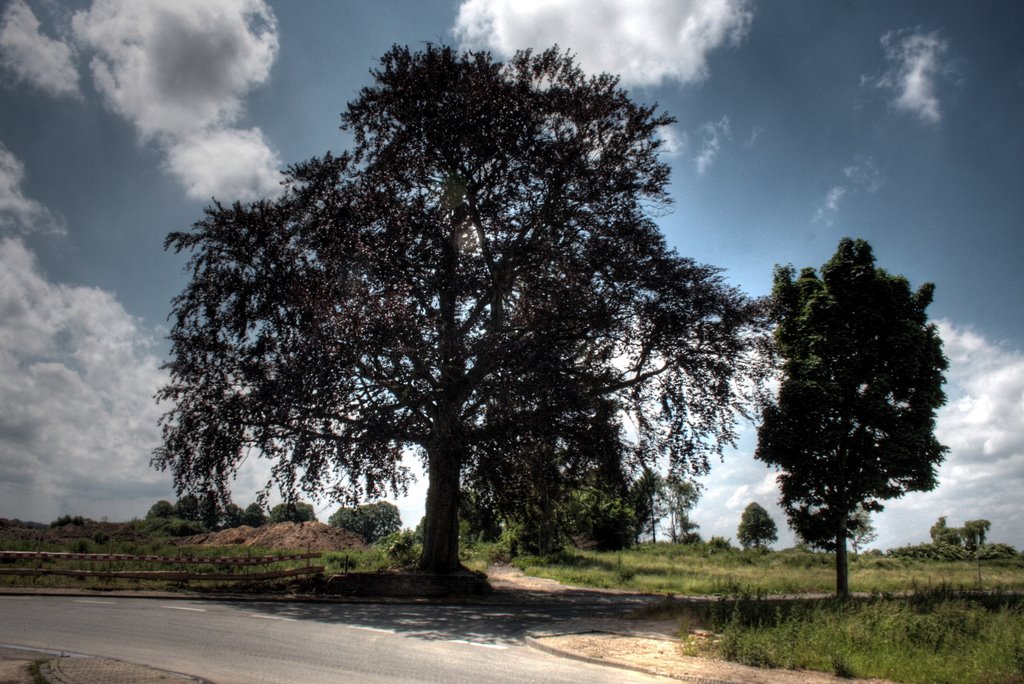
x,y
798,123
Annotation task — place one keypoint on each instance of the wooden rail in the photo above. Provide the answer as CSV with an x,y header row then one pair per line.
x,y
165,575
178,560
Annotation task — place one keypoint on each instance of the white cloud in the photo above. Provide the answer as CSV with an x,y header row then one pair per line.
x,y
646,42
733,484
712,134
917,62
33,58
755,133
18,213
864,175
982,477
226,163
179,72
983,426
861,177
77,417
830,207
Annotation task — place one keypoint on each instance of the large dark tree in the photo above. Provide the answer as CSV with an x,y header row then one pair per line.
x,y
479,280
861,380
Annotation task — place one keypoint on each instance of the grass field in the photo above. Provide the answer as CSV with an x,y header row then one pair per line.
x,y
919,620
700,570
940,636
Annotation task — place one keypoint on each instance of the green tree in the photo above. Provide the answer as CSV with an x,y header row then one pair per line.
x,y
298,512
188,507
605,521
756,527
232,516
862,532
647,495
370,521
680,498
254,515
941,533
478,520
974,532
161,509
862,377
480,279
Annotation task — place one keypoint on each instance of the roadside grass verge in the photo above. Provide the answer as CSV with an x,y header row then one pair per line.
x,y
699,570
939,636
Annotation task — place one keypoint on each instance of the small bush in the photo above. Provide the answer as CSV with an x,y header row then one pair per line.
x,y
400,548
717,545
941,552
997,551
169,527
70,520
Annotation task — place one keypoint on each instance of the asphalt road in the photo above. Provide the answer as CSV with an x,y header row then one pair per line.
x,y
249,642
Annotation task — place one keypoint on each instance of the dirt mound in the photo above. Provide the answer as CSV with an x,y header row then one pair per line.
x,y
314,536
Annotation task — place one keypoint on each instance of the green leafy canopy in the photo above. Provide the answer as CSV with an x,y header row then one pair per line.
x,y
862,378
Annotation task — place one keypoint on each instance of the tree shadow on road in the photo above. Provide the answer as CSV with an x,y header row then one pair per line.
x,y
502,619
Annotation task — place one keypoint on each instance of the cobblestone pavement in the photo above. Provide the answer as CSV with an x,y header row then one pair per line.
x,y
15,667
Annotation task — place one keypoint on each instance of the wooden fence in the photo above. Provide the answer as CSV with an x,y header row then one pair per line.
x,y
167,575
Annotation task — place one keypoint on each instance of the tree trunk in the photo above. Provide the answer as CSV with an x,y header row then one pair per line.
x,y
446,449
842,567
441,524
654,522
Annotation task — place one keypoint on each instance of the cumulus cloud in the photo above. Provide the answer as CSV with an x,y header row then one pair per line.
x,y
983,426
20,215
646,42
733,484
33,58
179,72
712,135
226,162
860,177
982,477
917,62
77,379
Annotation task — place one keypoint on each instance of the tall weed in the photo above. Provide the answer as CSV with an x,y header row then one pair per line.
x,y
928,637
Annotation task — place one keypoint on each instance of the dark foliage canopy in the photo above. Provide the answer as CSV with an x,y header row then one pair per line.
x,y
479,280
862,378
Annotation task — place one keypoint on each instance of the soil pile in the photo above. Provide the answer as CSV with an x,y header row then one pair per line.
x,y
314,536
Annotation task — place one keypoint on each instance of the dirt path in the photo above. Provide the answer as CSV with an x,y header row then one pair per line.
x,y
651,646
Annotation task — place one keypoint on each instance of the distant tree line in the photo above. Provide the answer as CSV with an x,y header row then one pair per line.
x,y
968,542
192,514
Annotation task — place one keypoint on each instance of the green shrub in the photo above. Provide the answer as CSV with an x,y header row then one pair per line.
x,y
997,551
940,551
70,520
169,527
717,545
400,548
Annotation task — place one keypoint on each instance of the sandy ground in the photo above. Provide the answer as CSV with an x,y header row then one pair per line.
x,y
651,646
